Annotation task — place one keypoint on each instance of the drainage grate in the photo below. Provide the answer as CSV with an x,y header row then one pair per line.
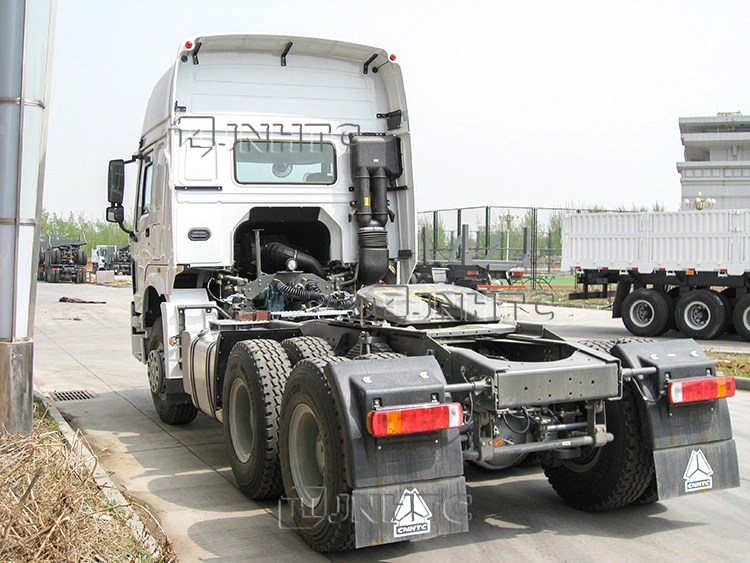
x,y
72,395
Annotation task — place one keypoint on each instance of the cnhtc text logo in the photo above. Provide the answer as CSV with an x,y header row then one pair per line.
x,y
698,473
412,516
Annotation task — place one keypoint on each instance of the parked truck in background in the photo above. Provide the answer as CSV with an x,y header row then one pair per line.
x,y
112,257
683,270
62,260
274,236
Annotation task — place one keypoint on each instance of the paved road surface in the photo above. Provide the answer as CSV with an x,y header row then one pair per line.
x,y
183,476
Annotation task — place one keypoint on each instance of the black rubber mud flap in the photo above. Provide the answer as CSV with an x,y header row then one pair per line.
x,y
411,511
700,467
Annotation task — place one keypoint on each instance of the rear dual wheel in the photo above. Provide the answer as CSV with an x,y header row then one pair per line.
x,y
741,317
253,386
610,476
701,314
312,459
647,312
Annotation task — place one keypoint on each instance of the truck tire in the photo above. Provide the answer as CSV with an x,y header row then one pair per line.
x,y
700,314
306,348
379,356
312,459
169,409
253,387
741,317
645,312
614,475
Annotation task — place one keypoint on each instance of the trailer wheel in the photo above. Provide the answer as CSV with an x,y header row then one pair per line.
x,y
611,476
253,386
312,459
741,317
170,409
700,314
306,348
645,312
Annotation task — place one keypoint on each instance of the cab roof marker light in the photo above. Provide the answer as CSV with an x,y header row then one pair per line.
x,y
414,419
700,389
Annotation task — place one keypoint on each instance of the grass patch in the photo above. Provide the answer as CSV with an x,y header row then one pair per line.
x,y
51,508
727,363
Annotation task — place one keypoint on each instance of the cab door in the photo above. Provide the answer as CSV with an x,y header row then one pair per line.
x,y
149,255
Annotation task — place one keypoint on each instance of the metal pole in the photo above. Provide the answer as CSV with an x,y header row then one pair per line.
x,y
464,245
434,235
26,29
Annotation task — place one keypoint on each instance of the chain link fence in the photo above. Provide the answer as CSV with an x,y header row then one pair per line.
x,y
528,238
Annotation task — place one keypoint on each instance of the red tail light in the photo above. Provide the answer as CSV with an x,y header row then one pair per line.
x,y
414,419
701,389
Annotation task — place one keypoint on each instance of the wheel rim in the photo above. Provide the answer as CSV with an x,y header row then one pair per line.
x,y
746,317
584,463
156,371
642,313
306,455
240,420
697,316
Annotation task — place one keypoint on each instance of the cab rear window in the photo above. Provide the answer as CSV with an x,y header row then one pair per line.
x,y
284,162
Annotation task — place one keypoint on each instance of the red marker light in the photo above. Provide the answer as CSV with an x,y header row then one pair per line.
x,y
414,419
393,57
701,389
188,44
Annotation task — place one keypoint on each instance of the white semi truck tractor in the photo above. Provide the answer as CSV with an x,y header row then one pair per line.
x,y
273,241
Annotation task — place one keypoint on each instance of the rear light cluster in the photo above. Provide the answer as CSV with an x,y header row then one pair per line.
x,y
701,389
414,419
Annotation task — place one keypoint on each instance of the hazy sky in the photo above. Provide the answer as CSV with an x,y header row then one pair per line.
x,y
521,103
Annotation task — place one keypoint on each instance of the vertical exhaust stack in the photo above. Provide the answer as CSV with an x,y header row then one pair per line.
x,y
375,162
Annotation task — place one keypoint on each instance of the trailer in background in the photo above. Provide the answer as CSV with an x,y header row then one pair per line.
x,y
684,270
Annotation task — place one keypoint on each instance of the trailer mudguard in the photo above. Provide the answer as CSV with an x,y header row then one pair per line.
x,y
692,443
405,487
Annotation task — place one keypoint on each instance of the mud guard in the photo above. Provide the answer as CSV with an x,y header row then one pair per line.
x,y
404,487
692,443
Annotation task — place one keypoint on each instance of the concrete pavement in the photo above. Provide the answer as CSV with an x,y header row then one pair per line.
x,y
181,473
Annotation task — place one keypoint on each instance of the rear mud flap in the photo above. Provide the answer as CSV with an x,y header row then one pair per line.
x,y
410,511
696,468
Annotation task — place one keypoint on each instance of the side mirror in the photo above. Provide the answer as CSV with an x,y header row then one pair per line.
x,y
116,184
116,214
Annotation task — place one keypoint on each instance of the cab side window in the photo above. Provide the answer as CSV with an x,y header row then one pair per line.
x,y
144,185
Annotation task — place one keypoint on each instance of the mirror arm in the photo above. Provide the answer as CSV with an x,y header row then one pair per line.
x,y
131,234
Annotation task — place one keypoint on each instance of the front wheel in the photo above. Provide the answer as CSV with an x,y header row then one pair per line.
x,y
611,476
312,459
171,409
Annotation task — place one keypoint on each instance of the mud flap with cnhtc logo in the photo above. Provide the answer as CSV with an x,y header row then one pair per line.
x,y
418,510
699,467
